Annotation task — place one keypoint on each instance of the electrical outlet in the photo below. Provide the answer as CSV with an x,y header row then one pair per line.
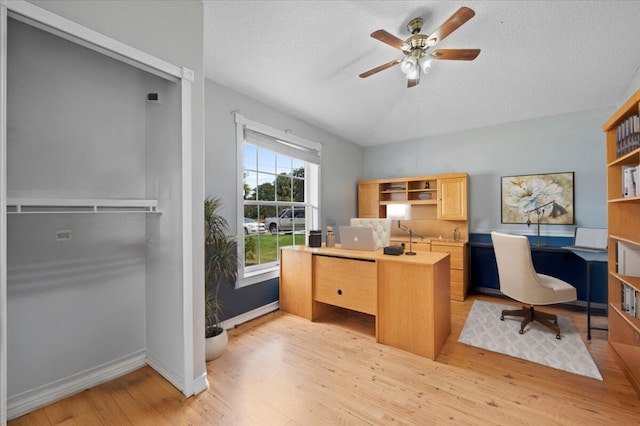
x,y
63,234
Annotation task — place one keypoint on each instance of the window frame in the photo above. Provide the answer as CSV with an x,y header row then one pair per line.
x,y
309,149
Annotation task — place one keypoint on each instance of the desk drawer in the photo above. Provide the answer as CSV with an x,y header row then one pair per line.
x,y
348,283
455,253
458,285
416,244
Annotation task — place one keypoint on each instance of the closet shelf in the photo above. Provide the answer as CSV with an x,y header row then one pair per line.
x,y
80,205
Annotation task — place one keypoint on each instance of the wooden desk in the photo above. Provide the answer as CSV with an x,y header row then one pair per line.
x,y
408,295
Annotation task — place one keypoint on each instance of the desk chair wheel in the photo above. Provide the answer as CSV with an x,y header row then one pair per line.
x,y
558,336
501,317
521,331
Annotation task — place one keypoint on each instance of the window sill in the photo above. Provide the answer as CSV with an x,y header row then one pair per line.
x,y
255,277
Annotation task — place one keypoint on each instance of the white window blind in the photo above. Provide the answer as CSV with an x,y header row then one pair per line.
x,y
292,149
279,141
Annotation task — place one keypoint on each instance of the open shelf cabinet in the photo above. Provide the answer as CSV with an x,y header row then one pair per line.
x,y
414,191
624,233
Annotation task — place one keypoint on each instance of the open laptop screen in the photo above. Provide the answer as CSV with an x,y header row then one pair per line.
x,y
590,239
356,238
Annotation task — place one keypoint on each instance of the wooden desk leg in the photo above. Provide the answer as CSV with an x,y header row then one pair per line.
x,y
414,310
295,283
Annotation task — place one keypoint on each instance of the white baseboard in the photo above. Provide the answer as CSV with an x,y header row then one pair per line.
x,y
25,402
200,384
248,316
165,371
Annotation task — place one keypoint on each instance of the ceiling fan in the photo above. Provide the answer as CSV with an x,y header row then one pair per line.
x,y
415,48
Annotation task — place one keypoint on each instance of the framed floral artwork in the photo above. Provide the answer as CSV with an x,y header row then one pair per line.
x,y
547,198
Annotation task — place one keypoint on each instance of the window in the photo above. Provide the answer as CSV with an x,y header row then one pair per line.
x,y
279,189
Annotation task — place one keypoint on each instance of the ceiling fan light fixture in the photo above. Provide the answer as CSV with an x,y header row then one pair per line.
x,y
409,65
425,63
413,74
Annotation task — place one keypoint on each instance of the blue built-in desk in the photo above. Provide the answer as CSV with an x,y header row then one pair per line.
x,y
550,259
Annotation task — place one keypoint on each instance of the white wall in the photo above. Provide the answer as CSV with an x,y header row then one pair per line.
x,y
171,30
63,127
62,295
164,267
633,86
571,142
79,126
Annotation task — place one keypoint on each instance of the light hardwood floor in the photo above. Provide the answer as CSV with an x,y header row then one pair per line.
x,y
283,370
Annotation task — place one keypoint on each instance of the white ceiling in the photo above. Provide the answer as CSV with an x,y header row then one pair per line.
x,y
538,58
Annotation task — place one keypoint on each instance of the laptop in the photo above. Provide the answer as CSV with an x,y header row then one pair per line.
x,y
590,239
357,238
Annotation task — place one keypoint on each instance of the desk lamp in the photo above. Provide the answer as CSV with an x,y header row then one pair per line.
x,y
556,211
403,212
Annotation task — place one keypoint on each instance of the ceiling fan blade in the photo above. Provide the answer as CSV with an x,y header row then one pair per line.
x,y
380,68
450,25
456,54
390,39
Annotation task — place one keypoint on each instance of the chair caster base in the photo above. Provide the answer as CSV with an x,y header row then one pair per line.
x,y
529,314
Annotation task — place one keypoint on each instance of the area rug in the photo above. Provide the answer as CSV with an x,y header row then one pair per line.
x,y
484,329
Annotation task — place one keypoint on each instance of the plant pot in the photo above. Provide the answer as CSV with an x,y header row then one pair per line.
x,y
214,346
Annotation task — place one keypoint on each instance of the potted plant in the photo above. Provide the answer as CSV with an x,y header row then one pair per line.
x,y
221,268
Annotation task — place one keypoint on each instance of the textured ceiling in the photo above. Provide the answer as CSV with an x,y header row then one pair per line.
x,y
538,58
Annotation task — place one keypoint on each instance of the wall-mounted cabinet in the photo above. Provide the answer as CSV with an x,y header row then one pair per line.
x,y
624,235
447,191
452,198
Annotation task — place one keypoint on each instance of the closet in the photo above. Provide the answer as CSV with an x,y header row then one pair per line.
x,y
97,207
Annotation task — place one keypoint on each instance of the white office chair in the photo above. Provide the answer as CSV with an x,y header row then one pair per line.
x,y
520,281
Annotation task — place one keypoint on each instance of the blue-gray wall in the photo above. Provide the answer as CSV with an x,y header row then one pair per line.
x,y
564,143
